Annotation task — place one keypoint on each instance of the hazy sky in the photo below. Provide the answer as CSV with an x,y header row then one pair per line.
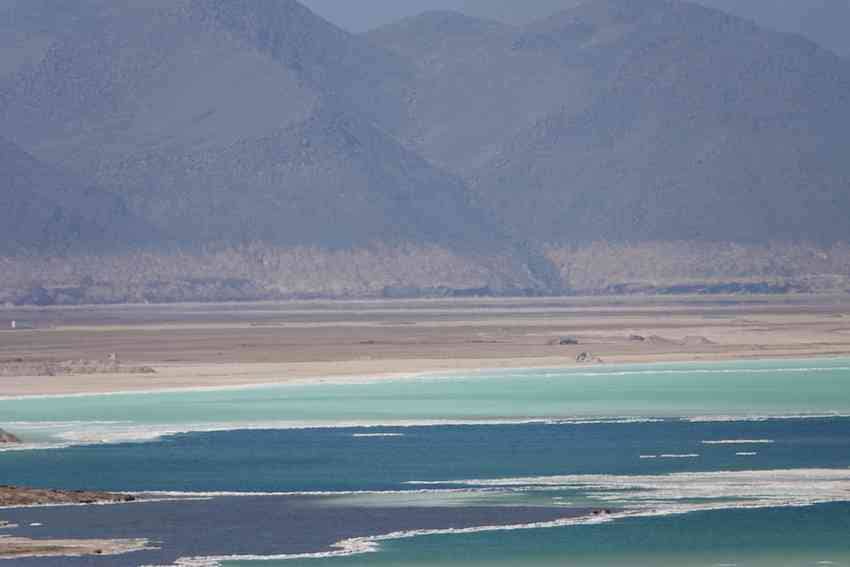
x,y
825,21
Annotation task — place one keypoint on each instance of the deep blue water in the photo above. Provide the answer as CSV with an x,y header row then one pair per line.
x,y
722,489
336,460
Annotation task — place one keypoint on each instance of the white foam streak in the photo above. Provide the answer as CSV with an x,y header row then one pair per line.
x,y
371,544
764,417
61,434
366,435
65,434
185,495
606,421
783,370
149,499
740,442
795,487
68,433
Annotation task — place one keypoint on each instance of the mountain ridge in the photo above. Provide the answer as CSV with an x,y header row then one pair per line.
x,y
246,125
40,206
158,116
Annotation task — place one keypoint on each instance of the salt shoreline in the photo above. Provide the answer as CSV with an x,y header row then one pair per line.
x,y
22,547
199,375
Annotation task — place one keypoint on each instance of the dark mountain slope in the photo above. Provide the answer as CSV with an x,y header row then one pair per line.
x,y
46,210
470,88
330,180
703,127
29,27
823,21
367,79
227,121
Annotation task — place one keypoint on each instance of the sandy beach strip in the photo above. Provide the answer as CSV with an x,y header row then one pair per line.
x,y
236,376
215,346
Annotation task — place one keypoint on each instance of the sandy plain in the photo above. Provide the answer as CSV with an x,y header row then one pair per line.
x,y
222,345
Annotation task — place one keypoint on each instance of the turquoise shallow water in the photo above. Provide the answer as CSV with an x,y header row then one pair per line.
x,y
788,537
742,463
740,388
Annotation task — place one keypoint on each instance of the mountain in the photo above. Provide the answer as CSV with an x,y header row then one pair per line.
x,y
469,86
636,121
29,27
822,21
703,127
249,149
235,120
45,210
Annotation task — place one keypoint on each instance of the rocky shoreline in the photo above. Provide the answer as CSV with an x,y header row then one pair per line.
x,y
20,547
8,438
12,496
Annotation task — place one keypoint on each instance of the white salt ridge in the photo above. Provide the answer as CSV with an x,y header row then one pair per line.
x,y
671,456
763,417
65,434
640,496
82,433
740,442
107,503
69,433
173,495
730,489
670,371
371,544
377,434
606,372
754,489
34,446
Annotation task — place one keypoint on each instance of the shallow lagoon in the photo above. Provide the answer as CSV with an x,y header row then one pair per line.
x,y
653,440
755,388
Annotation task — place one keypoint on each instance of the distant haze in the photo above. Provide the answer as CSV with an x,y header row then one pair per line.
x,y
823,21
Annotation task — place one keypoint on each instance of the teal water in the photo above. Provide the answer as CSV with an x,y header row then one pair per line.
x,y
744,463
717,389
780,537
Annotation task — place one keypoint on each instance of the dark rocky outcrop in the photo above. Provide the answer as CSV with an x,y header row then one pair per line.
x,y
6,437
20,496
